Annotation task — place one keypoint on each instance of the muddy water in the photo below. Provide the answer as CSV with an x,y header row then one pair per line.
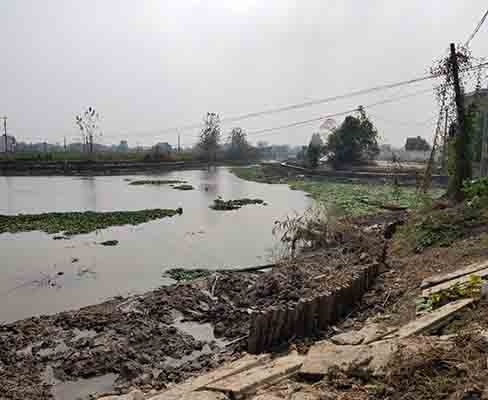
x,y
39,275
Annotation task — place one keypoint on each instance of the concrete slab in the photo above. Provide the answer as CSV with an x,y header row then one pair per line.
x,y
178,392
367,334
205,395
267,397
305,396
441,278
325,356
483,273
134,395
248,381
433,320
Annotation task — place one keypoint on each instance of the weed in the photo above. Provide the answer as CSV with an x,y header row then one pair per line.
x,y
181,274
73,223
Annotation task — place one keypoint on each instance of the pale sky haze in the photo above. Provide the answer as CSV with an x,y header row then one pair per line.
x,y
148,65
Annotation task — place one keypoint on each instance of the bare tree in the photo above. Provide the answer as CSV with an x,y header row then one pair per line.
x,y
88,122
239,145
210,136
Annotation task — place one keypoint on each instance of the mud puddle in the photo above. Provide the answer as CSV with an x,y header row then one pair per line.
x,y
84,388
202,332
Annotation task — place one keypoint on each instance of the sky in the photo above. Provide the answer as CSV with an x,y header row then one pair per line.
x,y
149,66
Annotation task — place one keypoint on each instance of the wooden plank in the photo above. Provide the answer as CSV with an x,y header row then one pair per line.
x,y
356,287
309,317
280,318
256,333
284,331
433,320
446,285
290,323
262,331
325,309
441,278
243,364
339,303
248,381
300,318
268,336
251,341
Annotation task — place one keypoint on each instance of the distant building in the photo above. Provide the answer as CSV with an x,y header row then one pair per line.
x,y
417,144
76,147
163,147
10,143
123,147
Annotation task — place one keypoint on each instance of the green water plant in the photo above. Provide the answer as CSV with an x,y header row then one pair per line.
x,y
73,223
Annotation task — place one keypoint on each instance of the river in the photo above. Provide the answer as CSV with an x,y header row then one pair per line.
x,y
40,275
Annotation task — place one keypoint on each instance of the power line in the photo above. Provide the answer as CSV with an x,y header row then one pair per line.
x,y
471,37
303,104
305,122
323,117
404,123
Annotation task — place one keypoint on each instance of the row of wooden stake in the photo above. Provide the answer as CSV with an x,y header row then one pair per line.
x,y
309,316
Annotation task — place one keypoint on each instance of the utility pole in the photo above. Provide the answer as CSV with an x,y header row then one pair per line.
x,y
463,163
179,147
5,133
484,145
445,146
65,144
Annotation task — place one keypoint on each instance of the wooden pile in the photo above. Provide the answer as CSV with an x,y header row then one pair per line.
x,y
309,316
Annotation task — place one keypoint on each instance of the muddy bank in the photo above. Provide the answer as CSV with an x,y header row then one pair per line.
x,y
92,167
168,334
137,341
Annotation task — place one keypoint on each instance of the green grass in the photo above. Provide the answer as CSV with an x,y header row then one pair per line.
x,y
181,274
359,199
429,228
222,205
344,198
73,223
257,174
183,187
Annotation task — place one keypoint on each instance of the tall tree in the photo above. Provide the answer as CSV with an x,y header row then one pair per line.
x,y
355,140
88,122
314,150
210,136
238,144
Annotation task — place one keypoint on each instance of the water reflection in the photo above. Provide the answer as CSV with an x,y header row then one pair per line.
x,y
231,239
89,191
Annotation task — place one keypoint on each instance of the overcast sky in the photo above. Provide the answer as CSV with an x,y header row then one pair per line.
x,y
148,65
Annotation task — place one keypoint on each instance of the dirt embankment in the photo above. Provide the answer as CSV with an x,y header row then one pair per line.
x,y
145,340
93,167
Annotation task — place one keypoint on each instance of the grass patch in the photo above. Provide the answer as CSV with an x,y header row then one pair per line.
x,y
344,198
73,223
183,187
428,228
222,205
359,199
258,173
181,274
156,182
